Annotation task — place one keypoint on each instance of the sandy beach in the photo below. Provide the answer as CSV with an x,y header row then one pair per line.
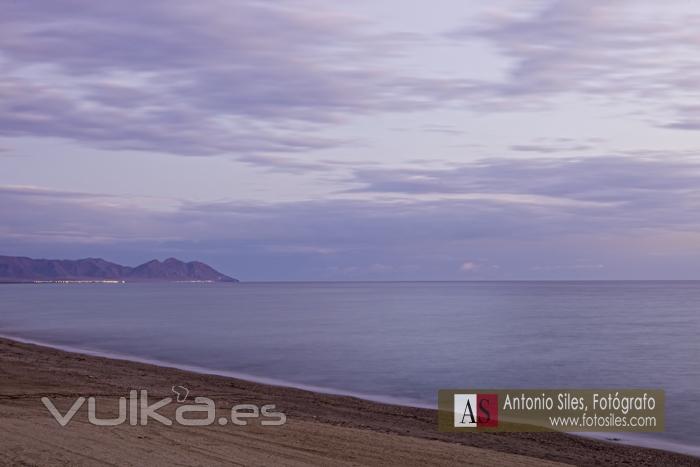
x,y
320,430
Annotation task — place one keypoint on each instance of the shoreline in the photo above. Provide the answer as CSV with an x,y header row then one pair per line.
x,y
380,399
626,439
327,425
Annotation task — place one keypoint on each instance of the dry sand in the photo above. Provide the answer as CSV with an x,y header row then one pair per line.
x,y
321,429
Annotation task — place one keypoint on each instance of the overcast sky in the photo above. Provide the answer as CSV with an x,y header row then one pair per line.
x,y
363,140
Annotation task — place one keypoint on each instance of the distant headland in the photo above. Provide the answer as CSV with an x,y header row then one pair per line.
x,y
28,270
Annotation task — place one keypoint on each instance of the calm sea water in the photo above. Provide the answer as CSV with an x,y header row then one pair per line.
x,y
394,340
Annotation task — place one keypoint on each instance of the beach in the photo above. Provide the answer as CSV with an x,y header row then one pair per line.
x,y
321,429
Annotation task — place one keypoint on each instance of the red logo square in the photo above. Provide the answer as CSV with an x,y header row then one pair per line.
x,y
486,410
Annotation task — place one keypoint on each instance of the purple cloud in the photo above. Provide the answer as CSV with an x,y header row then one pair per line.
x,y
188,78
636,53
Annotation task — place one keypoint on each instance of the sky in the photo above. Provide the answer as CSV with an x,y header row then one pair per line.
x,y
365,140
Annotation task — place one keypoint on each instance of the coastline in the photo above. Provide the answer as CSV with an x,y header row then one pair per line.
x,y
321,428
629,439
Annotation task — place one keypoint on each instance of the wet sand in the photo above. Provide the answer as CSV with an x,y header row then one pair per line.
x,y
321,429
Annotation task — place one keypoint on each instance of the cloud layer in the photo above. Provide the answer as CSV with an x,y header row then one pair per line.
x,y
638,56
249,77
187,78
498,217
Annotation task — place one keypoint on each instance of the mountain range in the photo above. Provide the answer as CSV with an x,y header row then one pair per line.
x,y
23,269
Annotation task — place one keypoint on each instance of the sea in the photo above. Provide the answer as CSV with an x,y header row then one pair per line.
x,y
397,342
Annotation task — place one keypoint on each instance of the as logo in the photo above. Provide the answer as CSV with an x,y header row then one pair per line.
x,y
475,410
